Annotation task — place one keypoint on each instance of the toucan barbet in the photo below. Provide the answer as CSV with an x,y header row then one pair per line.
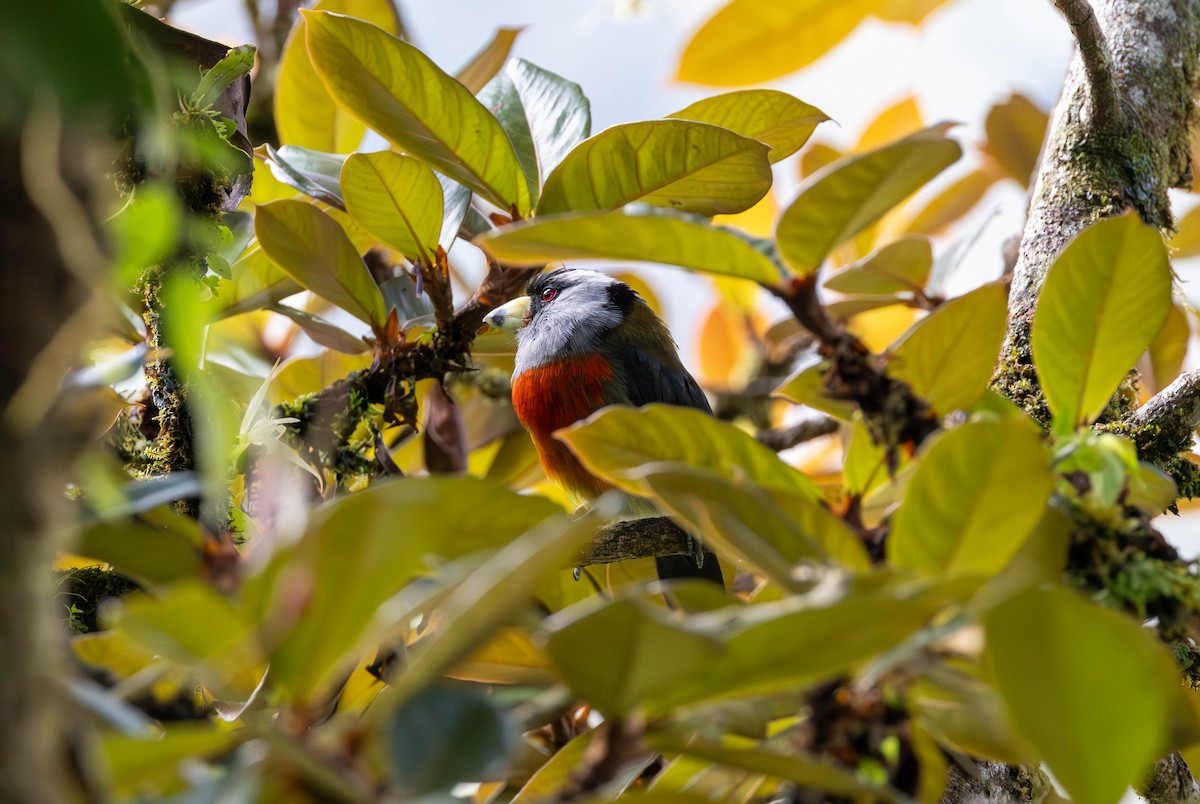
x,y
584,341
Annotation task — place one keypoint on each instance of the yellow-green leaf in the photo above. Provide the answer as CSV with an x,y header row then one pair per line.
x,y
652,652
1015,130
398,91
397,199
951,204
949,356
952,519
807,387
854,192
314,250
901,266
351,560
305,114
135,762
618,236
620,439
770,528
752,41
781,121
1104,299
1186,241
1170,346
678,164
1089,688
256,282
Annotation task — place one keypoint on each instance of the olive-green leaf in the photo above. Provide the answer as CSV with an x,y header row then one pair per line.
x,y
398,91
949,357
901,266
313,249
360,550
678,164
1105,298
620,236
396,198
771,529
854,192
978,492
806,771
625,653
780,120
619,439
544,114
784,645
1089,688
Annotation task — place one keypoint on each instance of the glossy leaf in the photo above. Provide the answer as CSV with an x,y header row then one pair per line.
x,y
619,439
315,251
352,561
1104,299
456,201
396,198
653,652
305,114
321,331
678,164
489,61
558,770
445,735
311,172
949,357
1015,130
544,115
1087,686
647,238
781,121
856,191
978,492
398,91
901,266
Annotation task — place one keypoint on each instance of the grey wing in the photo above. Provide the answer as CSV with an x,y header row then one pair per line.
x,y
648,379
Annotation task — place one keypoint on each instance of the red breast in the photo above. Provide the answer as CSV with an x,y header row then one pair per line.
x,y
555,395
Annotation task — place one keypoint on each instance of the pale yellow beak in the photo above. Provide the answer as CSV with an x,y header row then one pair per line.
x,y
510,317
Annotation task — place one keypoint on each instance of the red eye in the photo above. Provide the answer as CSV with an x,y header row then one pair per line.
x,y
549,293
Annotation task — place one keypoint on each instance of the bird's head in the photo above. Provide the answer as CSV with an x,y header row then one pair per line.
x,y
565,312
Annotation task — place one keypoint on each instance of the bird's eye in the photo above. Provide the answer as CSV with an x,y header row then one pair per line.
x,y
549,293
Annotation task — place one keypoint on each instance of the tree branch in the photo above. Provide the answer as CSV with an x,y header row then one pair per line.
x,y
788,437
637,538
1167,421
1097,62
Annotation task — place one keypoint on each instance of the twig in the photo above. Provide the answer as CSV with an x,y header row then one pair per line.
x,y
1097,62
788,437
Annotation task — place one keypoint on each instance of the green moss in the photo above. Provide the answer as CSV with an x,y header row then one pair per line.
x,y
81,591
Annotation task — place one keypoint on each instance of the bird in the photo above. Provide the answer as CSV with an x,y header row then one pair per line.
x,y
586,340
